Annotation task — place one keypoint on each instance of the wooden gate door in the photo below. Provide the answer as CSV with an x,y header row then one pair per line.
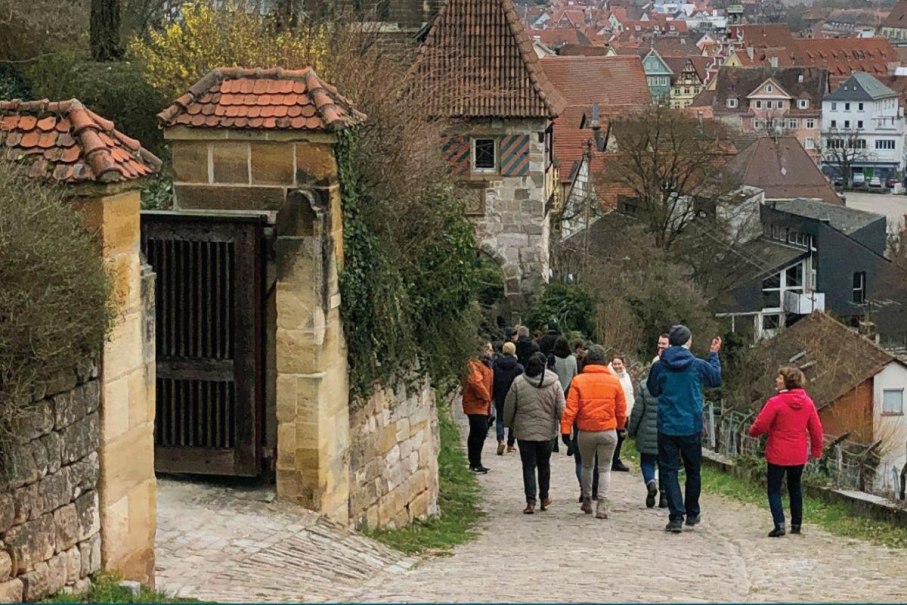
x,y
208,300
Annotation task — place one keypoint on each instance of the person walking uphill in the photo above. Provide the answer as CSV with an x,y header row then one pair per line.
x,y
533,408
506,368
477,393
643,426
596,402
786,418
618,367
677,380
525,346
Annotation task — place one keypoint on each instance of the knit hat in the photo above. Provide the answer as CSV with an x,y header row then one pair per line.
x,y
679,335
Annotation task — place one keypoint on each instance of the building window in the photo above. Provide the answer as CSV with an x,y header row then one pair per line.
x,y
758,104
769,88
771,322
732,103
803,104
859,107
834,107
793,124
885,144
856,144
859,123
757,124
810,123
484,155
809,144
771,292
846,124
893,402
834,123
859,287
793,276
846,106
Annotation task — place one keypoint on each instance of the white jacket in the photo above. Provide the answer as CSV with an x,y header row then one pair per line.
x,y
627,383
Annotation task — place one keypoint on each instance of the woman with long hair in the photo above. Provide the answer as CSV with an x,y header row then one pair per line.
x,y
533,409
787,418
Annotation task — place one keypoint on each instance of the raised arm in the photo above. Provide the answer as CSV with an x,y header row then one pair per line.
x,y
710,370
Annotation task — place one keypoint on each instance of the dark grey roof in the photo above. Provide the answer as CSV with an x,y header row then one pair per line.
x,y
799,82
846,220
765,256
860,87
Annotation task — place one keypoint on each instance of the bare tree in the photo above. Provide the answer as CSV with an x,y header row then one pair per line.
x,y
841,149
670,162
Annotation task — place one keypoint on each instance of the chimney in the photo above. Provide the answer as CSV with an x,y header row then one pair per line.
x,y
773,61
749,51
596,125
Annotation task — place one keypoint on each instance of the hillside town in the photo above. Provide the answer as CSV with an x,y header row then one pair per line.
x,y
453,300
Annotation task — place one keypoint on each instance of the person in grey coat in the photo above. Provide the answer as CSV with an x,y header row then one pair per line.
x,y
533,409
643,426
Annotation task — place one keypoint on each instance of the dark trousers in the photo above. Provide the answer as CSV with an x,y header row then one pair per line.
x,y
620,442
499,425
536,455
478,430
794,492
671,448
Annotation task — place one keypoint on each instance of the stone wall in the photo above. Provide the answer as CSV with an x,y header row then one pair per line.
x,y
49,515
514,227
394,458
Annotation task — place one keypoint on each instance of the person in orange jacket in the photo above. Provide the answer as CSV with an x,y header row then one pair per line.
x,y
596,402
477,394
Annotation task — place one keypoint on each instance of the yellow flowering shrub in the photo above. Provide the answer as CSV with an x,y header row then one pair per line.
x,y
176,57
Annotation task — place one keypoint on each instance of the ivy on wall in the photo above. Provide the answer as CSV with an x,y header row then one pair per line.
x,y
409,307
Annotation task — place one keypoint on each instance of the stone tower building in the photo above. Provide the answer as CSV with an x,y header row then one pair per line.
x,y
480,72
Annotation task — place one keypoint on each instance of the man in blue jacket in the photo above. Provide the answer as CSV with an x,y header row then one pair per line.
x,y
677,379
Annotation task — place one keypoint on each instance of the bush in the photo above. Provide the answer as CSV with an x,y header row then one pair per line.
x,y
570,305
115,90
12,86
55,299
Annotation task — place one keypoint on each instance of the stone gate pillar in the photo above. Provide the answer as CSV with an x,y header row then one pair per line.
x,y
262,140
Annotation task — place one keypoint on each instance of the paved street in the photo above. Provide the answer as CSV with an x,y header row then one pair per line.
x,y
251,550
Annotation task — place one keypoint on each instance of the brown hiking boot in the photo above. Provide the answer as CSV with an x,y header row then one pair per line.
x,y
546,502
510,449
586,506
501,448
530,508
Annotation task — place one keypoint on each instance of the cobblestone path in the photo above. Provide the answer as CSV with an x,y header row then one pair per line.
x,y
215,546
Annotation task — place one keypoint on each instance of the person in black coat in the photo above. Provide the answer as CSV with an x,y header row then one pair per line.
x,y
546,345
525,346
506,369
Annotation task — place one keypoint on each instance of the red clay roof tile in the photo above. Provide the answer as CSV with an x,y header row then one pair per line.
x,y
256,98
71,143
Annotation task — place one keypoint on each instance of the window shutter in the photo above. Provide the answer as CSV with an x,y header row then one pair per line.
x,y
456,150
515,155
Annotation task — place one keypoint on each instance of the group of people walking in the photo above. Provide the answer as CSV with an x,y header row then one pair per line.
x,y
535,390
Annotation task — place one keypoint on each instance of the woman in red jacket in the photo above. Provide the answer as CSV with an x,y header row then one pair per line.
x,y
786,418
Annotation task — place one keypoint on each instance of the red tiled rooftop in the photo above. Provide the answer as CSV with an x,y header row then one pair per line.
x,y
262,99
617,80
66,142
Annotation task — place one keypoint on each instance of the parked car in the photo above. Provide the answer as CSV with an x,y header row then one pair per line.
x,y
891,182
858,179
875,183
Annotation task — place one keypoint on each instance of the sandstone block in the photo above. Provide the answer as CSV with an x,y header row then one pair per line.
x,y
53,447
73,561
402,430
66,521
82,475
190,161
230,162
315,163
55,490
35,583
6,566
7,511
87,512
29,504
199,197
84,558
80,438
272,163
56,574
11,592
31,542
